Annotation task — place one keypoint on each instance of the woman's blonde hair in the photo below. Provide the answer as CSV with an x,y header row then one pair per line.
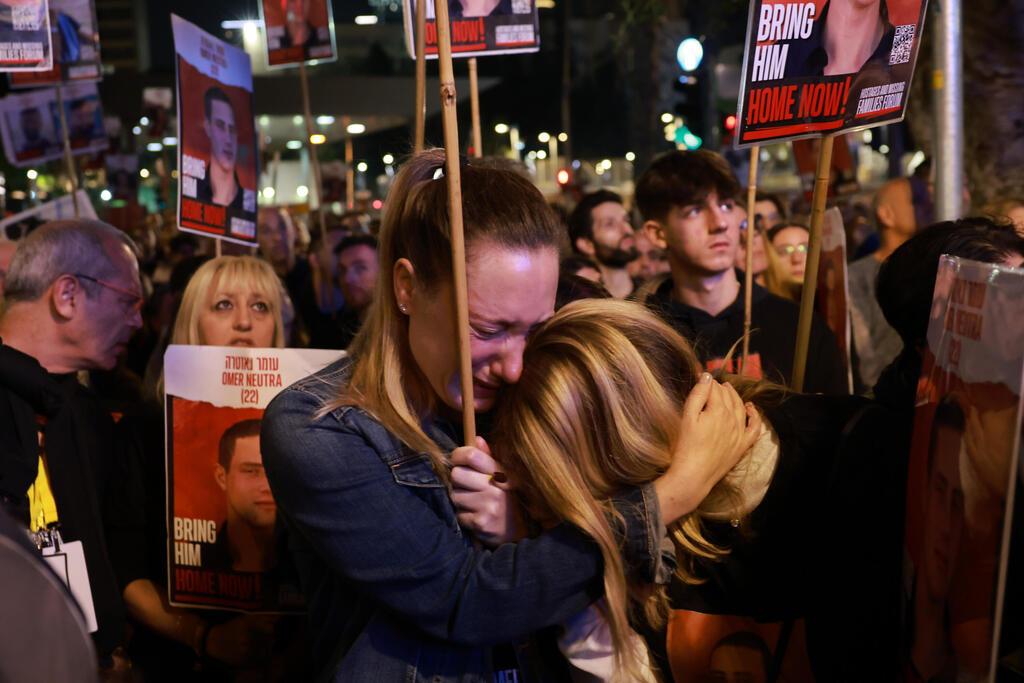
x,y
597,409
245,271
499,206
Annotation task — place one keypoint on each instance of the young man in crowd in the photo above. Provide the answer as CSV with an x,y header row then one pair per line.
x,y
600,229
685,198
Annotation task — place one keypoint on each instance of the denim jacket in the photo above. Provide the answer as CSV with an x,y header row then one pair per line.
x,y
396,590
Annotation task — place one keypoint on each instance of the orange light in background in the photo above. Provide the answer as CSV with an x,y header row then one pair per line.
x,y
730,122
562,177
317,138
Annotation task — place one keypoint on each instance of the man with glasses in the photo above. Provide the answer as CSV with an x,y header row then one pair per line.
x,y
71,302
687,199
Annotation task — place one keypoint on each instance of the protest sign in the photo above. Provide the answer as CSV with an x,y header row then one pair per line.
x,y
832,296
511,26
813,67
963,474
17,226
123,175
76,46
712,647
217,136
25,37
297,31
221,513
30,124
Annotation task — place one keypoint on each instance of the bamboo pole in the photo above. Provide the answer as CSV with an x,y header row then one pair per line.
x,y
68,159
803,329
474,100
421,75
218,248
748,278
350,176
451,148
313,162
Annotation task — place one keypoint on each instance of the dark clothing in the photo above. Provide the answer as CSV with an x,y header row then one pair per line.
x,y
807,56
95,481
825,543
325,330
204,192
772,337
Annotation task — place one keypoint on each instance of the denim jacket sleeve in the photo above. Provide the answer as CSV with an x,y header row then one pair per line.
x,y
376,514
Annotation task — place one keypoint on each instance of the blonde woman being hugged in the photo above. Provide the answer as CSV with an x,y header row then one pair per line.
x,y
596,412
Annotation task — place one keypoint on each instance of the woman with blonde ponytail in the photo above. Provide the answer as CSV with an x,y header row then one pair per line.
x,y
363,461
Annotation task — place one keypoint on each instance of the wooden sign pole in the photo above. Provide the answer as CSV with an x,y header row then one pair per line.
x,y
748,269
313,162
803,330
452,172
474,99
421,75
68,159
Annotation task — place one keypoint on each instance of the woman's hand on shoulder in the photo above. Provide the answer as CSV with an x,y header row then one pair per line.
x,y
482,496
717,429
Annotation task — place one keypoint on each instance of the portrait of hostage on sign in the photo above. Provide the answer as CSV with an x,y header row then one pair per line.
x,y
222,510
468,9
217,136
85,120
217,148
297,31
33,133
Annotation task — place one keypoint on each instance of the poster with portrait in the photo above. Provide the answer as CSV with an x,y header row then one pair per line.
x,y
814,67
703,648
25,36
31,130
963,476
297,31
216,136
832,296
13,228
76,46
479,27
221,515
123,176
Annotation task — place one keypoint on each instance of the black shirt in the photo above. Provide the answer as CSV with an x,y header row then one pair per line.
x,y
772,337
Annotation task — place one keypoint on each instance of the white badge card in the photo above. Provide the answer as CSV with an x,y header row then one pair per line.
x,y
69,565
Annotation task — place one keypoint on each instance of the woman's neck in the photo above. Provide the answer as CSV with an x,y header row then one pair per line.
x,y
851,35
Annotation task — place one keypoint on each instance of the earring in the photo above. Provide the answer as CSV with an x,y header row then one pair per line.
x,y
403,308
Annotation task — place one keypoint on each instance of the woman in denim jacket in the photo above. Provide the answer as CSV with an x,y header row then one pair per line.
x,y
360,456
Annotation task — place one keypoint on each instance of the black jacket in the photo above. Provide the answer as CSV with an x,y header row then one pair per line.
x,y
94,479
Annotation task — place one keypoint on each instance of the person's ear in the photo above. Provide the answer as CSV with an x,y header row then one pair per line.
x,y
585,246
655,233
403,280
67,296
886,216
220,475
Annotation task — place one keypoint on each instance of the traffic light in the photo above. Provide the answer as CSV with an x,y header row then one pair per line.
x,y
687,101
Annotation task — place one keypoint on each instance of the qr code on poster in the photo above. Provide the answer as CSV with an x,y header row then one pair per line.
x,y
902,43
522,6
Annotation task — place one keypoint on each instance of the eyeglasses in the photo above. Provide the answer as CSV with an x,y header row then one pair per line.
x,y
137,298
790,248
